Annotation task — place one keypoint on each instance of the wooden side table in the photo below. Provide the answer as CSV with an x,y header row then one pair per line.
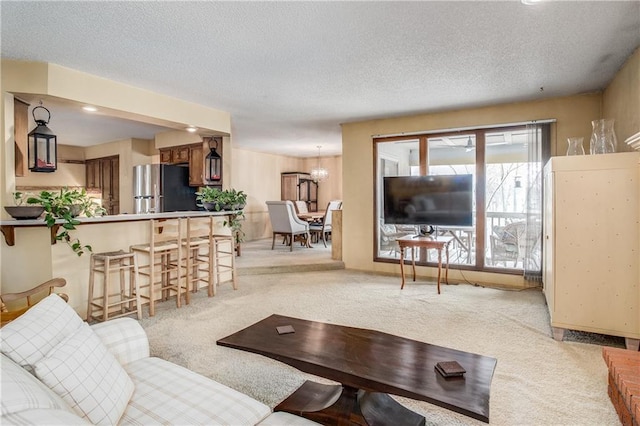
x,y
437,243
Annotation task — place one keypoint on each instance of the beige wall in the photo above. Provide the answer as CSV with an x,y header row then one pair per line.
x,y
621,101
118,99
573,115
175,138
128,151
258,175
67,174
330,189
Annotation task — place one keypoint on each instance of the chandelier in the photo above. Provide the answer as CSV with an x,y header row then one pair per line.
x,y
318,174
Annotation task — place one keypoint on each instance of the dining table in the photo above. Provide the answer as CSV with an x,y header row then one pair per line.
x,y
312,217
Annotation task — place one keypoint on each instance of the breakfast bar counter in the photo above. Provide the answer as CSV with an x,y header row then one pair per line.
x,y
8,226
30,255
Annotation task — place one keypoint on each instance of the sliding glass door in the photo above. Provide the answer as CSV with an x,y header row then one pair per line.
x,y
500,162
399,158
455,155
506,185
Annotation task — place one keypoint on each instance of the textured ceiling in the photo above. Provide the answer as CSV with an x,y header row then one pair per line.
x,y
290,72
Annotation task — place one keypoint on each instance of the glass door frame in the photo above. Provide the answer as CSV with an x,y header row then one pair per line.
x,y
480,190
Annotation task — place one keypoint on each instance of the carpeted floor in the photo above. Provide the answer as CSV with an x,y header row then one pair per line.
x,y
537,381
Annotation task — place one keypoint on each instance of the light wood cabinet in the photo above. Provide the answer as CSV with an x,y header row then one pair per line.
x,y
591,270
193,155
196,165
111,185
92,168
175,155
20,134
299,186
104,174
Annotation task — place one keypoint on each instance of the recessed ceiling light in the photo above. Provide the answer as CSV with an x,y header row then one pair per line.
x,y
191,129
89,108
530,2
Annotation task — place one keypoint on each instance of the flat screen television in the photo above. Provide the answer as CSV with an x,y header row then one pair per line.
x,y
437,200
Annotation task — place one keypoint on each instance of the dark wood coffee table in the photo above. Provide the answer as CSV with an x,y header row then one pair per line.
x,y
370,365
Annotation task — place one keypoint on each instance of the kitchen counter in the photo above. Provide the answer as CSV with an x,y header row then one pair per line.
x,y
8,226
29,257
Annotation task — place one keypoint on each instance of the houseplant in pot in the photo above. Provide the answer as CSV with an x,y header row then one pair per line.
x,y
238,199
21,211
212,199
66,205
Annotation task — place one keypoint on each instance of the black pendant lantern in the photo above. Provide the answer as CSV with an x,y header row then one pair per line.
x,y
213,162
43,145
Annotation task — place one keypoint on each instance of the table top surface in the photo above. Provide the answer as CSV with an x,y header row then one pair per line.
x,y
425,241
311,215
124,217
374,361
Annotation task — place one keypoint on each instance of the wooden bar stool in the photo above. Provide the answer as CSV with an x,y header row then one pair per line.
x,y
162,265
198,246
127,299
224,258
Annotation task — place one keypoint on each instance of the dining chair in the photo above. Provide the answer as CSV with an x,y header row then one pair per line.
x,y
284,221
322,230
301,206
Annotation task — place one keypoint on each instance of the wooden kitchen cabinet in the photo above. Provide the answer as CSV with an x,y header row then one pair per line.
x,y
111,184
591,271
103,174
20,134
175,155
196,165
166,156
92,168
299,186
191,154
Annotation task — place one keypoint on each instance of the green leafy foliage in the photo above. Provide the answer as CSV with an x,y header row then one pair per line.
x,y
231,199
64,206
18,198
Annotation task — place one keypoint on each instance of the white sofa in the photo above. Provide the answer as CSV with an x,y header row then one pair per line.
x,y
55,369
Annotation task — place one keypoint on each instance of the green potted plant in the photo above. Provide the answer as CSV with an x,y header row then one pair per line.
x,y
210,198
67,205
21,212
238,199
215,199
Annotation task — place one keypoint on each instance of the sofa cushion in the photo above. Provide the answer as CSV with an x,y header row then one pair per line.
x,y
43,416
84,373
32,335
21,391
124,337
167,393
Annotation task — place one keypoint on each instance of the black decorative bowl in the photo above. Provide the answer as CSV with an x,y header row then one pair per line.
x,y
24,212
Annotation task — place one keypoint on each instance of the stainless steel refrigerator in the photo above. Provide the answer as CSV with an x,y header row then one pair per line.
x,y
162,188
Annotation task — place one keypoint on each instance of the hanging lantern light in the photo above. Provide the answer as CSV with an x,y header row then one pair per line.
x,y
213,162
318,174
43,145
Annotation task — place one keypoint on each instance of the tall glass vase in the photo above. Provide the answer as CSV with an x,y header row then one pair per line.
x,y
603,138
575,146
